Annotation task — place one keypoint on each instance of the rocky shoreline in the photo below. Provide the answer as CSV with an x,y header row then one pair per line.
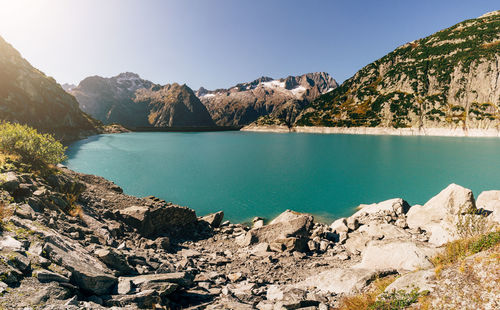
x,y
75,241
440,132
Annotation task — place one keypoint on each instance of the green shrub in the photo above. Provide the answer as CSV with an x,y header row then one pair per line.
x,y
485,242
397,300
34,148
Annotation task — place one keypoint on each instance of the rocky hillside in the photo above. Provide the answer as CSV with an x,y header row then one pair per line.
x,y
173,105
30,97
133,102
74,241
450,79
276,101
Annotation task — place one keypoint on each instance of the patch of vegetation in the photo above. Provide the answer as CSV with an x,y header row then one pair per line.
x,y
36,149
397,300
459,249
365,300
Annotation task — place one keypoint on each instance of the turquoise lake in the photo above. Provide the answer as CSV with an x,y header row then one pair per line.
x,y
262,174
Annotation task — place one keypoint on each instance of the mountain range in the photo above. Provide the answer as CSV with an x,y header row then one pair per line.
x,y
280,99
134,102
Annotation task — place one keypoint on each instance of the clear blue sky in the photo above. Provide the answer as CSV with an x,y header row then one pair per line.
x,y
219,43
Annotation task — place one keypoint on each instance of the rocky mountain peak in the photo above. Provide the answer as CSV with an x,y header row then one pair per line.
x,y
282,98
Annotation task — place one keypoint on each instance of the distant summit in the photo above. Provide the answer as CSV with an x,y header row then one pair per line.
x,y
273,100
68,87
131,101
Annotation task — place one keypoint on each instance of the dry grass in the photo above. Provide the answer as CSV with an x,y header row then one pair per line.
x,y
458,250
5,212
366,299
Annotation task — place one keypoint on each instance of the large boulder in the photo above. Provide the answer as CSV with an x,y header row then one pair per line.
x,y
283,227
153,221
439,215
490,201
87,272
396,255
357,240
214,219
341,280
286,217
422,280
181,278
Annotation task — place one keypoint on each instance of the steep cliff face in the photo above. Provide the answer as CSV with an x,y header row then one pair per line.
x,y
265,99
30,97
134,102
450,79
173,105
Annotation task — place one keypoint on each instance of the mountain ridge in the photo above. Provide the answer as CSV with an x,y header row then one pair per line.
x,y
447,80
30,97
134,102
263,97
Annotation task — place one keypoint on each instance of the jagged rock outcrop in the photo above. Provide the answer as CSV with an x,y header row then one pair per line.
x,y
134,102
450,79
30,97
271,101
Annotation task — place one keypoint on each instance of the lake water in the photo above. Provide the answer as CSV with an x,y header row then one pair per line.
x,y
262,174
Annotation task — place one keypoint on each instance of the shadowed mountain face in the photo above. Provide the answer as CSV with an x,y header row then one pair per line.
x,y
265,100
450,79
133,102
30,97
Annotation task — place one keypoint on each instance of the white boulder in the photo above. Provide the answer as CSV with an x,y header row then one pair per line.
x,y
439,215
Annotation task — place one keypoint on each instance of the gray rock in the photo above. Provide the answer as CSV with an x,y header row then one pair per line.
x,y
114,260
296,227
340,280
182,278
11,181
392,208
423,280
286,217
7,243
396,255
439,215
162,243
214,219
160,219
87,272
490,201
46,276
24,211
352,223
339,225
289,244
124,286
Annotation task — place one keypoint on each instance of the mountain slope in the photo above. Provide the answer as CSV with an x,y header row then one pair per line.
x,y
134,102
450,79
173,105
30,97
270,100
